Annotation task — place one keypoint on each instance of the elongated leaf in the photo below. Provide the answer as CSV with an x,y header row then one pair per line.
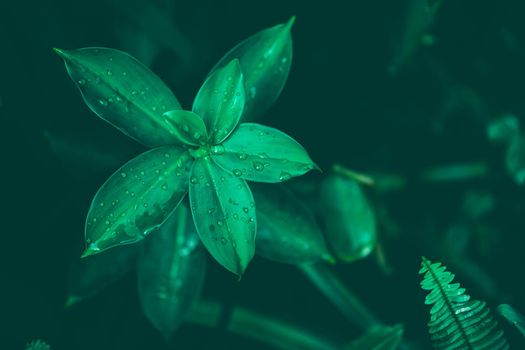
x,y
137,198
91,275
224,214
259,153
171,272
265,60
515,159
286,230
513,317
220,101
187,126
349,220
123,92
379,338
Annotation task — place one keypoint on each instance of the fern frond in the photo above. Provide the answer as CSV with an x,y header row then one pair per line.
x,y
456,321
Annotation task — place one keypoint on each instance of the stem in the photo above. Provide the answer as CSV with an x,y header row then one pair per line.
x,y
345,301
263,328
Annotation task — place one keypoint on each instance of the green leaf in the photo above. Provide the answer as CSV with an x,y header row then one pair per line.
x,y
220,101
379,338
137,198
171,272
456,321
123,92
259,153
349,220
513,317
187,126
91,275
286,229
224,214
265,60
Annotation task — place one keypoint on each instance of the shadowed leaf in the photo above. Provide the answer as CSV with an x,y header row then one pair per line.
x,y
171,272
123,92
513,317
224,214
379,338
137,198
259,153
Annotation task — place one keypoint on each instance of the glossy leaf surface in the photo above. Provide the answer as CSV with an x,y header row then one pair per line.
x,y
123,92
91,275
220,101
286,230
187,126
349,220
379,338
259,153
224,213
171,272
265,60
137,198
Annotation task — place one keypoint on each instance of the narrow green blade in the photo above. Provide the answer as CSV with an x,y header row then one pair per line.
x,y
220,101
265,60
187,126
171,272
123,92
224,213
286,229
379,338
137,198
349,220
513,317
259,153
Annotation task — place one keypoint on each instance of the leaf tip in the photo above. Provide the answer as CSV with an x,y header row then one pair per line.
x,y
90,250
59,52
290,23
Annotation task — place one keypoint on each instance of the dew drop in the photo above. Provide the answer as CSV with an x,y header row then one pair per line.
x,y
245,209
224,241
217,149
81,82
134,92
103,102
164,187
194,180
220,223
258,166
284,176
237,172
109,72
242,155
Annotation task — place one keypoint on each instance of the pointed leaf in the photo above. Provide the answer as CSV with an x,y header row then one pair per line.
x,y
286,230
348,218
220,101
137,198
123,92
513,317
187,126
265,60
259,153
379,338
91,275
171,272
224,214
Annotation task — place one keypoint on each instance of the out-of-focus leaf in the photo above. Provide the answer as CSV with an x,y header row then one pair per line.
x,y
37,345
171,272
265,60
224,213
259,153
513,317
187,126
286,230
123,92
515,159
455,172
137,198
348,218
504,129
379,338
91,275
220,101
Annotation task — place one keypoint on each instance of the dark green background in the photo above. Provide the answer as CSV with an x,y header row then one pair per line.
x,y
339,102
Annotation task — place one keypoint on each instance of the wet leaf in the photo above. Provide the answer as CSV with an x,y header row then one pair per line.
x,y
220,101
265,60
187,126
286,230
137,198
379,338
171,272
259,153
123,92
348,218
224,214
91,275
513,317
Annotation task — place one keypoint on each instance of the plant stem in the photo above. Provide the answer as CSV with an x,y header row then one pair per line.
x,y
345,301
263,328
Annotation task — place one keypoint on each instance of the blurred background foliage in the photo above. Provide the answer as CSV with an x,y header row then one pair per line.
x,y
408,94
